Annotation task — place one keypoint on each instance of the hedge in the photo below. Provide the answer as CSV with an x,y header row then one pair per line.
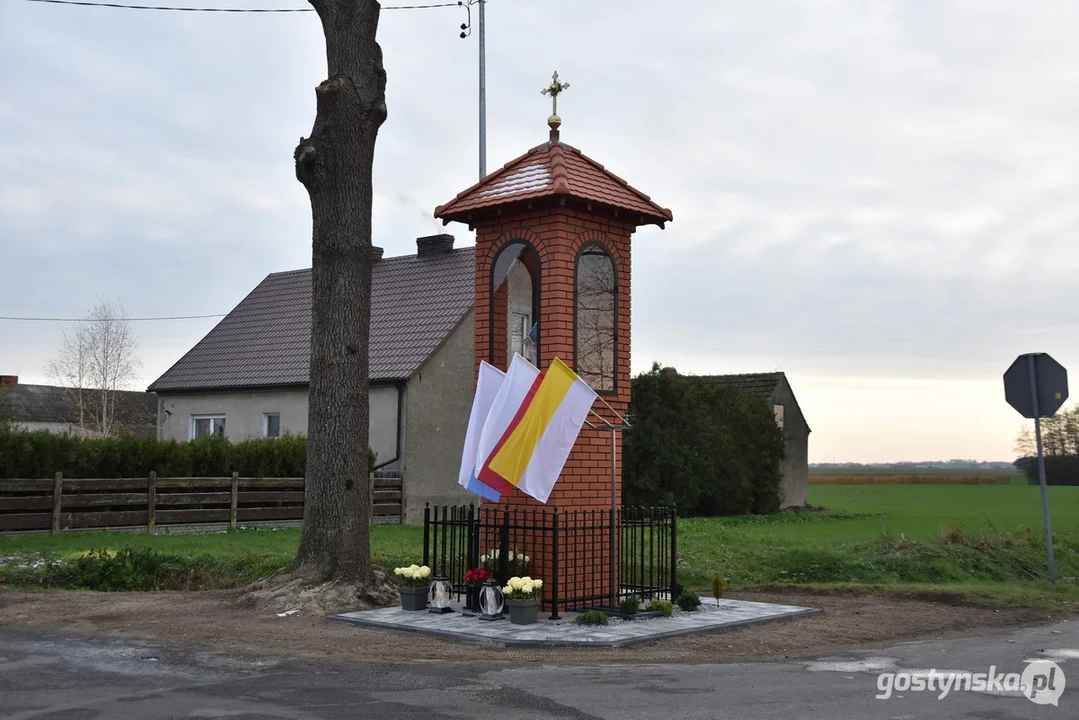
x,y
706,448
1059,469
43,454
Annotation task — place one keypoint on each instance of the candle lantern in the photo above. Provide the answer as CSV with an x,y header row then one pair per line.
x,y
440,594
491,601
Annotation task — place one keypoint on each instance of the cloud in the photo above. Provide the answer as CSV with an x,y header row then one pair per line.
x,y
874,190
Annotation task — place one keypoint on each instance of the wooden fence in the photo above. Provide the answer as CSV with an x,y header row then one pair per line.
x,y
60,504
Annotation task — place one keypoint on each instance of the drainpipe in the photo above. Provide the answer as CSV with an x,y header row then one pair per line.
x,y
400,427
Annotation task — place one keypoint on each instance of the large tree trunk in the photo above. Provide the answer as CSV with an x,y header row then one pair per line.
x,y
335,165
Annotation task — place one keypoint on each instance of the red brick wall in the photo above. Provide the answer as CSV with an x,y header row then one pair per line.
x,y
558,233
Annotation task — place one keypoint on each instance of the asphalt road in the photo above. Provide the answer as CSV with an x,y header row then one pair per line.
x,y
54,678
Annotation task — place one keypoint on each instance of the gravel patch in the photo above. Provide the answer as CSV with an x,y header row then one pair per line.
x,y
218,619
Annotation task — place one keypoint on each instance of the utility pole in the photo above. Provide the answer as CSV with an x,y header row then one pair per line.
x,y
483,91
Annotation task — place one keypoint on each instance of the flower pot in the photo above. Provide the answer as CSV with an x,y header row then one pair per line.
x,y
413,598
522,612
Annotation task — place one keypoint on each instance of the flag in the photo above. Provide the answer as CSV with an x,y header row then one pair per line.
x,y
514,389
533,447
487,386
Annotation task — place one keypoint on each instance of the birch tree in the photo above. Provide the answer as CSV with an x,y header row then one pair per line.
x,y
98,359
71,369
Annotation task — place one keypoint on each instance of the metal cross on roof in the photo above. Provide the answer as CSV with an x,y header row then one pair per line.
x,y
554,90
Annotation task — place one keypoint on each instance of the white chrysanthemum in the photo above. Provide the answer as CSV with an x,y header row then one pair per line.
x,y
507,590
425,572
515,583
526,579
537,583
397,571
527,587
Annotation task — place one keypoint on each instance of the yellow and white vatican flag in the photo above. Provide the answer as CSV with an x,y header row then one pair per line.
x,y
534,444
488,383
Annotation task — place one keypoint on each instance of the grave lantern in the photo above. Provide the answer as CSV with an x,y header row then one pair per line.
x,y
440,594
491,601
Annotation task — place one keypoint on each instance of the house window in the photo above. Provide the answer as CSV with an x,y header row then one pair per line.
x,y
778,410
203,425
597,324
271,425
522,337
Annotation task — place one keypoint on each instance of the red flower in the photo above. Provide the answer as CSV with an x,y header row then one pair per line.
x,y
478,575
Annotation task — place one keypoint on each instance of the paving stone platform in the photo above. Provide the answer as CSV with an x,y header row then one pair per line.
x,y
713,615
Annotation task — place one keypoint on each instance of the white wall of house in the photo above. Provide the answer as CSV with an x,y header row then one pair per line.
x,y
383,427
57,428
795,465
245,411
439,402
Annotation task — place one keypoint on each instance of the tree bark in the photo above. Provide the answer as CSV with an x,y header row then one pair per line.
x,y
335,166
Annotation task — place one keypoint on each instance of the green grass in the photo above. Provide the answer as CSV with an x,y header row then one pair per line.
x,y
978,542
975,542
393,542
923,512
220,560
875,470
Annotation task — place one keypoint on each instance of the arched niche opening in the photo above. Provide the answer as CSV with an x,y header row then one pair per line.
x,y
596,322
515,304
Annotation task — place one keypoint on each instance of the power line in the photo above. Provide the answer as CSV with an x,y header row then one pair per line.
x,y
119,319
225,10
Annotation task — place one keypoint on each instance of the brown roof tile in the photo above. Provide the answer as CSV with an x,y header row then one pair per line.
x,y
551,170
416,301
760,384
49,403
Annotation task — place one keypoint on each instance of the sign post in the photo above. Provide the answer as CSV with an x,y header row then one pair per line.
x,y
1037,385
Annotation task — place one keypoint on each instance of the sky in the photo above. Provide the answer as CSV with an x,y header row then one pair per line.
x,y
877,198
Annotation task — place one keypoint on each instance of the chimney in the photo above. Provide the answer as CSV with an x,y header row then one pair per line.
x,y
9,380
434,245
376,253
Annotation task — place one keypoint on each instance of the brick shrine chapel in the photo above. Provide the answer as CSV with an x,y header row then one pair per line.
x,y
549,276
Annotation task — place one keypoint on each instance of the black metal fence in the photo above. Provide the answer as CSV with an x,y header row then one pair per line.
x,y
573,549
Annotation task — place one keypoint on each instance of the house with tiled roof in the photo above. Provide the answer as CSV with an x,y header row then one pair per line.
x,y
66,411
775,390
249,376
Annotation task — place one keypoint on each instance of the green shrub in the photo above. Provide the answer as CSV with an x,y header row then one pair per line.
x,y
702,446
592,617
126,569
630,605
43,454
689,601
139,569
717,586
663,606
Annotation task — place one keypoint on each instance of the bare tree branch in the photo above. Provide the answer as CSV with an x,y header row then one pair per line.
x,y
98,358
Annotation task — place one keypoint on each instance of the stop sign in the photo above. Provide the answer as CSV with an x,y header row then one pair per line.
x,y
1050,378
